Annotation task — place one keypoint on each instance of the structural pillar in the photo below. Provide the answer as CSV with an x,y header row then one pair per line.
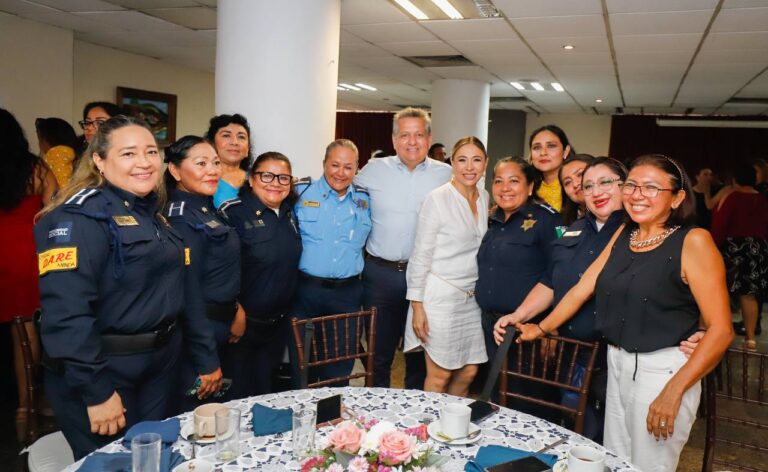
x,y
459,108
277,64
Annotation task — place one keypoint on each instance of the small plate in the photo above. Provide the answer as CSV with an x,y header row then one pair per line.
x,y
562,466
188,429
200,465
434,428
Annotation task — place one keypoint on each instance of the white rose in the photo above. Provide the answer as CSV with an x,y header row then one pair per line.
x,y
371,439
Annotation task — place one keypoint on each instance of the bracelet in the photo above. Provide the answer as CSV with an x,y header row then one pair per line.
x,y
703,330
542,329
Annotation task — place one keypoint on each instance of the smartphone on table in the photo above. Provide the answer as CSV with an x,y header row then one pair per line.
x,y
481,410
525,464
329,411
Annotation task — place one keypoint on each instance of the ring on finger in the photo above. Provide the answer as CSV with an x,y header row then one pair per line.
x,y
662,424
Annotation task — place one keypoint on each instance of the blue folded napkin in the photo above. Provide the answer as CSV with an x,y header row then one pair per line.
x,y
168,430
268,420
121,461
488,456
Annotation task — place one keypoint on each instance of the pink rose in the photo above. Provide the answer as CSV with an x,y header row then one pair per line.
x,y
396,447
346,437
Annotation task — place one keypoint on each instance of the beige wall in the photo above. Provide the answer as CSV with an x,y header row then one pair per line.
x,y
590,134
35,72
99,70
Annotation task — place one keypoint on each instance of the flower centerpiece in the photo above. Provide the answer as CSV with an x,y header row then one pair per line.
x,y
358,445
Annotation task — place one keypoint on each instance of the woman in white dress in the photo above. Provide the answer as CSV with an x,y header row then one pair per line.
x,y
444,318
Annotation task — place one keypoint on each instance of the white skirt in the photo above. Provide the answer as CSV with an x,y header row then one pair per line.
x,y
454,325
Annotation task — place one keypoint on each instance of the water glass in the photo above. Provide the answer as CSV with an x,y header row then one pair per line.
x,y
145,452
304,421
227,434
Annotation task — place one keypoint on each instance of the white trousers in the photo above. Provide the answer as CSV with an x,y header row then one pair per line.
x,y
627,403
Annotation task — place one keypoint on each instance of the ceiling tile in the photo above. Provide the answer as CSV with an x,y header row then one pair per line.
x,y
576,58
656,42
528,8
503,89
733,56
419,48
757,88
131,21
489,28
193,18
636,6
743,4
493,47
564,71
741,19
79,5
660,23
467,73
142,4
345,37
360,12
560,26
736,40
362,49
582,44
384,33
658,57
50,16
510,72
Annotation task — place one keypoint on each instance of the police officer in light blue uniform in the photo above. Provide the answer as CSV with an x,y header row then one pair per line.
x,y
334,222
114,286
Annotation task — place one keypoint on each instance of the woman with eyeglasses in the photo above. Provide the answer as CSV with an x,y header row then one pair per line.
x,y
656,279
270,247
94,115
231,136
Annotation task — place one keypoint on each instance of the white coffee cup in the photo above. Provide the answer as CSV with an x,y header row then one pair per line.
x,y
585,459
454,420
205,419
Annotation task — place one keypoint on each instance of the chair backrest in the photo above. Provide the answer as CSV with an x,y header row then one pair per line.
x,y
312,335
33,381
550,361
736,404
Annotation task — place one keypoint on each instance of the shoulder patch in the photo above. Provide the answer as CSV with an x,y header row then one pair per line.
x,y
230,203
304,181
175,209
82,196
547,207
60,258
361,189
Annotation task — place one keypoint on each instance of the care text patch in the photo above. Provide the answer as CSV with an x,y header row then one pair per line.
x,y
60,258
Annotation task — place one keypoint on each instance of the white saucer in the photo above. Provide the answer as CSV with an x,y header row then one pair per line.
x,y
189,428
201,465
434,428
562,466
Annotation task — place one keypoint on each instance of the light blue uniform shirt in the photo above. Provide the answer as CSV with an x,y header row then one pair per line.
x,y
333,231
396,197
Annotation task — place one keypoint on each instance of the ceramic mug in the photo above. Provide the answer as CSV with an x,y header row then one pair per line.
x,y
585,459
454,420
205,419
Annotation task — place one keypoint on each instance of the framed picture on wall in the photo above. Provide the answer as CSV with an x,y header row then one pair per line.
x,y
157,109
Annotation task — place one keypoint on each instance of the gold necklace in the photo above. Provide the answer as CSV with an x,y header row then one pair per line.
x,y
633,242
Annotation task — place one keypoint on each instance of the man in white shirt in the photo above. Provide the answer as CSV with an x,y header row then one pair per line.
x,y
397,186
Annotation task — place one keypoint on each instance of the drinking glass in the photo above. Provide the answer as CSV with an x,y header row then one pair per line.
x,y
145,452
227,434
303,432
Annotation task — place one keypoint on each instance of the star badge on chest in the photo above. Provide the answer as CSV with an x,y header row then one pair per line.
x,y
528,223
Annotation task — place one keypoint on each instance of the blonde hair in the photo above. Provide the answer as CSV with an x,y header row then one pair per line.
x,y
87,174
345,143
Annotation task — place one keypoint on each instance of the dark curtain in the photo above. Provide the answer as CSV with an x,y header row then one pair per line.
x,y
369,131
720,149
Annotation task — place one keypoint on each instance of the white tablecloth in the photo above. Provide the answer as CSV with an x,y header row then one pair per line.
x,y
406,408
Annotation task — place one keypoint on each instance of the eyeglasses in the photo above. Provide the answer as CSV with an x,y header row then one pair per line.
x,y
603,185
267,177
649,191
85,124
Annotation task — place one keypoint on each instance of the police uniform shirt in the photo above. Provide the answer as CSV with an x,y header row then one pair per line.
x,y
514,255
270,252
571,255
212,247
110,264
333,229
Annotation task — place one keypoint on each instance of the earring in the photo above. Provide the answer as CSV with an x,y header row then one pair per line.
x,y
101,172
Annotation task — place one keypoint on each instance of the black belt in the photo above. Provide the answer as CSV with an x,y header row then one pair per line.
x,y
494,315
399,265
329,283
265,322
221,311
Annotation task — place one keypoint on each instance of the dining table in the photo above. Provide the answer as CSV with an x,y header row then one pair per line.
x,y
405,408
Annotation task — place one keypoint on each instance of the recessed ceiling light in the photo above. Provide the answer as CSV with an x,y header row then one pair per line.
x,y
568,47
339,87
599,100
350,87
517,85
412,9
558,87
537,86
448,9
366,87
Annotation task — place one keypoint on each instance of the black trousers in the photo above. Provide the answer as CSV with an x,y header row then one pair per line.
x,y
253,360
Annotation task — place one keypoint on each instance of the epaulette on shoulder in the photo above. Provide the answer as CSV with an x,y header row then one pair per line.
x,y
304,181
547,207
175,209
81,196
361,189
230,203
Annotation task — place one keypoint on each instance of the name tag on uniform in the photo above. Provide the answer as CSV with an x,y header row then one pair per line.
x,y
308,203
569,234
213,224
61,258
187,259
125,220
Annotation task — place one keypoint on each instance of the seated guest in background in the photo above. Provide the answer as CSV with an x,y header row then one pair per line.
x,y
270,249
761,176
702,193
514,256
437,152
444,318
397,185
213,248
652,283
231,137
549,147
114,288
334,221
57,141
26,184
569,176
740,229
94,114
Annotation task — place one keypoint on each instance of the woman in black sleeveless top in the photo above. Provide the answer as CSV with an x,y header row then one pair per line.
x,y
655,282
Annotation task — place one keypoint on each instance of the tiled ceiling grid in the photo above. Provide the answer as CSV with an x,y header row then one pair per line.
x,y
653,56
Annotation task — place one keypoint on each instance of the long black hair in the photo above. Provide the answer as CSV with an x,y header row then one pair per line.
x,y
20,165
570,209
56,132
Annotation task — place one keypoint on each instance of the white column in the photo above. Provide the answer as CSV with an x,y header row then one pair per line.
x,y
459,108
277,64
